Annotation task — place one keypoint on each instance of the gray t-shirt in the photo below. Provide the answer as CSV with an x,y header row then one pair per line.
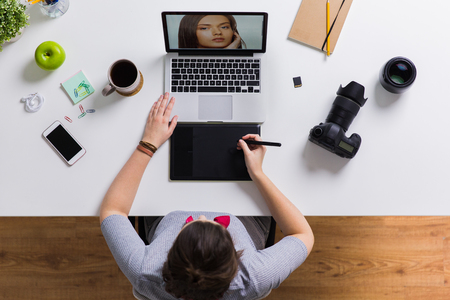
x,y
259,272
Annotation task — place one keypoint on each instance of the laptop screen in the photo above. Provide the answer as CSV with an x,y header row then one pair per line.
x,y
215,31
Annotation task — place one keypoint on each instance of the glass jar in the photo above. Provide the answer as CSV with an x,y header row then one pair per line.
x,y
54,8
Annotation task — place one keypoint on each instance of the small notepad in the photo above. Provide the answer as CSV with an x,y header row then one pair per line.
x,y
78,87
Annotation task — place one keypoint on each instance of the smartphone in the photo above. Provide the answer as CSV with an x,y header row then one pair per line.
x,y
64,143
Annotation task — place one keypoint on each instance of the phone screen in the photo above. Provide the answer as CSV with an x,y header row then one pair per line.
x,y
63,142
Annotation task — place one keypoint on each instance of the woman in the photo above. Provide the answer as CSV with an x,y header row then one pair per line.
x,y
209,31
201,255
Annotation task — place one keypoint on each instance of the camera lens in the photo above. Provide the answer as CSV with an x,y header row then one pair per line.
x,y
342,112
397,75
346,105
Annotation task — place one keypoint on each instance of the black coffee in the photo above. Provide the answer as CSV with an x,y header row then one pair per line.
x,y
123,74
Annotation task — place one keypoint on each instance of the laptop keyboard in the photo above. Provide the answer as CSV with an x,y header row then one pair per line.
x,y
215,75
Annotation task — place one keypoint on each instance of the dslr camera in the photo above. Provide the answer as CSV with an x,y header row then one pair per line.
x,y
331,134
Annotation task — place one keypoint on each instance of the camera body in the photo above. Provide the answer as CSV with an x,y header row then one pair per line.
x,y
331,134
332,137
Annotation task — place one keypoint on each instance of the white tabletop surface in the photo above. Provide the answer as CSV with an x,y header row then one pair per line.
x,y
402,167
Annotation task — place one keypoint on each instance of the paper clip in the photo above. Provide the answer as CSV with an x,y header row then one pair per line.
x,y
81,108
68,119
90,111
82,115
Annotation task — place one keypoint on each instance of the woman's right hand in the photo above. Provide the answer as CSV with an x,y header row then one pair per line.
x,y
236,43
254,154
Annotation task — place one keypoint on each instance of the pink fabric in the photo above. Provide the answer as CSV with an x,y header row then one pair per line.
x,y
222,220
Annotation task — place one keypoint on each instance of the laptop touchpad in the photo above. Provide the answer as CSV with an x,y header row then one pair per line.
x,y
215,108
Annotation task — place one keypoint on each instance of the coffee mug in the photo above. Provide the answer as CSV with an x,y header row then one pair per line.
x,y
124,78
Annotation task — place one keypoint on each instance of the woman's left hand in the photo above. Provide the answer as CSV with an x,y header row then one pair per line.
x,y
158,129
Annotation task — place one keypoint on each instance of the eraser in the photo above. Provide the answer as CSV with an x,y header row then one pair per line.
x,y
297,81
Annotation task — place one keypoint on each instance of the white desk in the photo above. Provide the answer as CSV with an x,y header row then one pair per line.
x,y
402,167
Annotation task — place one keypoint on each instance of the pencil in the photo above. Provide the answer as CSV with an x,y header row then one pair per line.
x,y
328,28
34,1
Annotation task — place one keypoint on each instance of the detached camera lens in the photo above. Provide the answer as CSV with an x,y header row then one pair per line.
x,y
400,73
397,75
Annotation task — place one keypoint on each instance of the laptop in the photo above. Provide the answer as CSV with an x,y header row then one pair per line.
x,y
214,65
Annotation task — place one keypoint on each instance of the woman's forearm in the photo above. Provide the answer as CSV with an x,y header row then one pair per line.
x,y
288,217
123,190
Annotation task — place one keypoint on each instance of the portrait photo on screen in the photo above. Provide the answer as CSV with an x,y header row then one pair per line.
x,y
215,31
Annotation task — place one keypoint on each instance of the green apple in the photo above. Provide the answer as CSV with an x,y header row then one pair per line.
x,y
49,55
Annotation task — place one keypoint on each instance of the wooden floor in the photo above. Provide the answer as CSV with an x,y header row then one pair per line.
x,y
379,258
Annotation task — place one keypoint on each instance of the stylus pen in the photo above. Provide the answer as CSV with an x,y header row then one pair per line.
x,y
263,143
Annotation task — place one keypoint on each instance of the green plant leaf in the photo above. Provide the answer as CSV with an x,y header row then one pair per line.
x,y
12,19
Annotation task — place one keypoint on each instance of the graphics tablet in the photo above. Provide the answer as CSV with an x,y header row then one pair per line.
x,y
208,152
